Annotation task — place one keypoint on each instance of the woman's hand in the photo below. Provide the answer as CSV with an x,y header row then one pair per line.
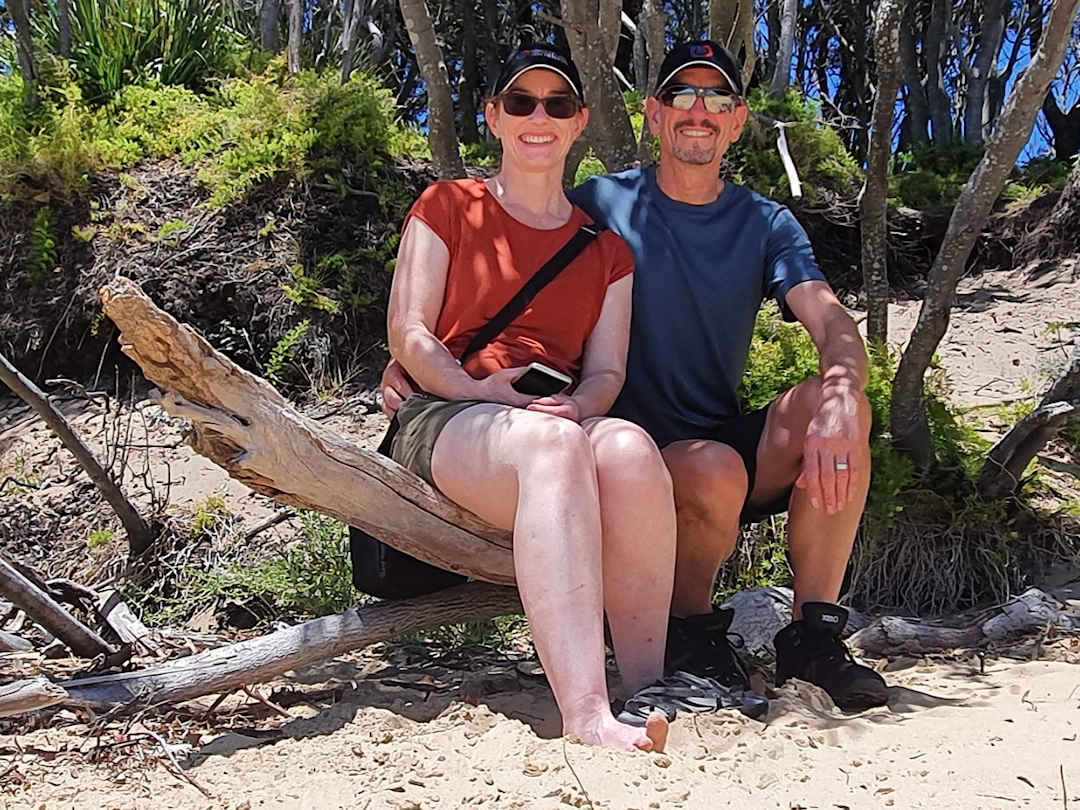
x,y
557,405
496,387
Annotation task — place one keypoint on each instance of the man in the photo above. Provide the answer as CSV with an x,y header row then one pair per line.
x,y
706,253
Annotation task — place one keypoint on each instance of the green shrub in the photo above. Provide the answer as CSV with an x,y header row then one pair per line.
x,y
41,257
819,156
781,355
284,349
929,175
14,124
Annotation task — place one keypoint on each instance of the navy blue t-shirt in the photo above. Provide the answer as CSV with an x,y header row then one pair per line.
x,y
701,273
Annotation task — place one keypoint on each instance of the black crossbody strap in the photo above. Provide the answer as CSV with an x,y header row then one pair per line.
x,y
514,307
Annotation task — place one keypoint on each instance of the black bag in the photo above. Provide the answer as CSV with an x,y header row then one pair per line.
x,y
383,571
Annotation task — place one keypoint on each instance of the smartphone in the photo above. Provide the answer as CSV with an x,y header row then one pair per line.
x,y
539,380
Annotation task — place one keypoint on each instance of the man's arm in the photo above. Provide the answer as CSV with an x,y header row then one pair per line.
x,y
838,432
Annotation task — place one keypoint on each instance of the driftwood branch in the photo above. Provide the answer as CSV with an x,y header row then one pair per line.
x,y
1029,613
259,659
241,423
139,534
28,696
1001,473
40,607
9,642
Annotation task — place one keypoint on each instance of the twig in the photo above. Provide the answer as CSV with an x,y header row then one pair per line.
x,y
179,771
566,759
250,692
280,517
1064,792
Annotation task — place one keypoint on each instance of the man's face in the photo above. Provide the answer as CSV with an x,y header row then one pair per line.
x,y
695,136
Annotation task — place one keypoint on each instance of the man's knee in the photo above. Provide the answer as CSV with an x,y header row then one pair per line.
x,y
708,477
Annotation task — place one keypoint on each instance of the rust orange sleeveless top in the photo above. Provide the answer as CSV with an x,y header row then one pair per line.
x,y
492,255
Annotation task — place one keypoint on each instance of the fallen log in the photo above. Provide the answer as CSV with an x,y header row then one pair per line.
x,y
28,696
259,659
9,642
46,612
242,424
113,610
1031,612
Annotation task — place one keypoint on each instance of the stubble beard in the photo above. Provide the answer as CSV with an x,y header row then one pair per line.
x,y
695,155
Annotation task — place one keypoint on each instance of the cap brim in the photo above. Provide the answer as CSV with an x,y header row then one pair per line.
x,y
569,81
697,63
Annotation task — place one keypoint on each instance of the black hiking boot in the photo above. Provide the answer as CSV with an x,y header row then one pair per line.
x,y
811,650
702,645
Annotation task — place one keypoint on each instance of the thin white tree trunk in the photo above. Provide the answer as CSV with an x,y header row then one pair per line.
x,y
781,77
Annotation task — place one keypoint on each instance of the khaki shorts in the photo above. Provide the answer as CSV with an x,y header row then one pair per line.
x,y
421,419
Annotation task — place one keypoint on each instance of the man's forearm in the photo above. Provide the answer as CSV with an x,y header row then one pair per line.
x,y
842,355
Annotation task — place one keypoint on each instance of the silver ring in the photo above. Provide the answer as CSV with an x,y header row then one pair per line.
x,y
841,465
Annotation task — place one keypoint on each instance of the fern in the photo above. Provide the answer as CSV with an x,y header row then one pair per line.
x,y
284,349
41,258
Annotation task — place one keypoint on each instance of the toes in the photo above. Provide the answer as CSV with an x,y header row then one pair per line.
x,y
656,729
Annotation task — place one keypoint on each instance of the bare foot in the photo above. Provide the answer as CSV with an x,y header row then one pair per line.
x,y
609,732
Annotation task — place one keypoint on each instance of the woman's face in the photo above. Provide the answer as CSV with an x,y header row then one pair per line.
x,y
535,142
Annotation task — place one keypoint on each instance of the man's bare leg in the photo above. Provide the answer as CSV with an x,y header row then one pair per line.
x,y
709,480
819,541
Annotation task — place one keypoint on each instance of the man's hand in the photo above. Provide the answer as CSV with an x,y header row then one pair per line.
x,y
394,388
835,451
557,405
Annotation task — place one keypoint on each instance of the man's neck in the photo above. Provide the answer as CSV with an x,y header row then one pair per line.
x,y
687,183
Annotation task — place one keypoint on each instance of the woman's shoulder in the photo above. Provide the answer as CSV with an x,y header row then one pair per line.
x,y
461,189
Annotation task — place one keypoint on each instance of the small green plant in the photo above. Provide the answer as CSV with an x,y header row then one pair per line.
x,y
41,257
100,537
172,226
304,291
284,349
207,516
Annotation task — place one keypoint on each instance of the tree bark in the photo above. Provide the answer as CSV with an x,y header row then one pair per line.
x,y
24,51
592,29
936,41
296,18
442,136
28,696
470,73
139,533
259,659
872,208
909,424
1065,127
978,73
1001,473
915,103
63,9
24,594
242,424
350,23
781,77
269,27
651,28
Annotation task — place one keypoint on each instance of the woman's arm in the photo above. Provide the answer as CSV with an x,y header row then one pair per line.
x,y
416,298
603,367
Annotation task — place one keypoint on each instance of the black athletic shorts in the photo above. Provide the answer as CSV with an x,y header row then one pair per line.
x,y
743,434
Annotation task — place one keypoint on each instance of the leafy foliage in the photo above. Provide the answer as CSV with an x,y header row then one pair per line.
x,y
41,258
284,349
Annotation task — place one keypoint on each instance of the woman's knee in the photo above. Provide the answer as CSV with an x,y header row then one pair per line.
x,y
624,452
546,439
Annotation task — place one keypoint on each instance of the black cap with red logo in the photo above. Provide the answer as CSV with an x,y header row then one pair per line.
x,y
539,55
700,53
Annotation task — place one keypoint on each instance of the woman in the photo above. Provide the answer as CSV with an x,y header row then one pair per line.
x,y
588,499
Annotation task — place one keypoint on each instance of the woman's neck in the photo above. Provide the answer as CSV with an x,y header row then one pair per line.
x,y
535,198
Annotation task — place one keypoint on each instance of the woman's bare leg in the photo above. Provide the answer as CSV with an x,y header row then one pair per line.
x,y
637,513
535,473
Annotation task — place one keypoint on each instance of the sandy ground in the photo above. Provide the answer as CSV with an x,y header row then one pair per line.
x,y
960,731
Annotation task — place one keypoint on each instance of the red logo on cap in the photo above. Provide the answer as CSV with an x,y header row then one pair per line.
x,y
700,51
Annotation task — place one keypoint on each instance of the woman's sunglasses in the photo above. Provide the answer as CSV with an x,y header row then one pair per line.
x,y
520,104
715,99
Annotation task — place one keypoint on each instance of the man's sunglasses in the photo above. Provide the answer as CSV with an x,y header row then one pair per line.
x,y
520,104
715,99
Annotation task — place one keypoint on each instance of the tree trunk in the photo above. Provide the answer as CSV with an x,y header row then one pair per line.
x,y
1065,127
24,51
909,425
63,10
242,424
269,26
978,73
296,19
139,533
470,73
592,28
915,103
781,77
350,25
936,41
872,209
1001,473
442,136
28,696
24,594
651,28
